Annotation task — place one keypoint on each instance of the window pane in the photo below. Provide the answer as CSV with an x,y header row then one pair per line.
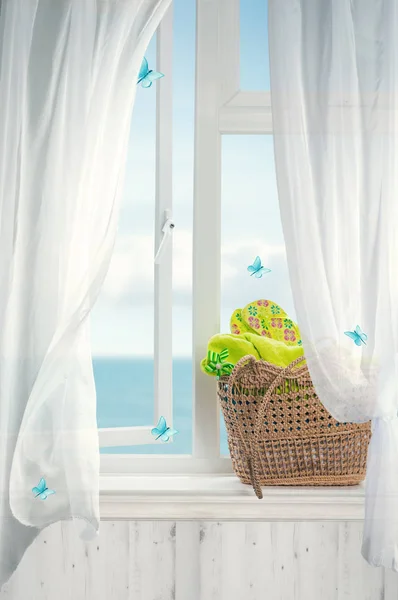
x,y
183,130
254,56
125,388
183,147
122,320
251,227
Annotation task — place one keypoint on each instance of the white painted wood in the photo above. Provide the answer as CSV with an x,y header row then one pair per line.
x,y
140,559
247,113
223,498
173,465
253,99
258,570
229,48
206,227
390,585
125,436
149,560
116,544
99,554
135,435
316,543
282,540
187,560
152,545
233,577
356,578
73,558
33,578
163,537
163,325
210,541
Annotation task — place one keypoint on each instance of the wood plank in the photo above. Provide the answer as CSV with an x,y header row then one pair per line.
x,y
32,579
233,577
258,562
315,547
163,556
165,560
390,585
74,569
98,560
356,579
152,562
115,551
210,541
140,565
282,540
187,560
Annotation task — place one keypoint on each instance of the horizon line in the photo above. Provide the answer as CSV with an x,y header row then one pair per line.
x,y
143,356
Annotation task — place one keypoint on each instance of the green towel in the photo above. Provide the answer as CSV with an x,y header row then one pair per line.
x,y
273,351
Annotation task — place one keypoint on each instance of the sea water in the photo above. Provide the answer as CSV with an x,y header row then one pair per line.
x,y
125,397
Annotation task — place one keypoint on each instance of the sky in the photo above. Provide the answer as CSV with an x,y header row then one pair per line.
x,y
122,320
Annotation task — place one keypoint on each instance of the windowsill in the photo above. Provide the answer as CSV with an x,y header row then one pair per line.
x,y
222,498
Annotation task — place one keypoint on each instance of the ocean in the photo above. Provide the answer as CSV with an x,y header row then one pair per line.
x,y
125,394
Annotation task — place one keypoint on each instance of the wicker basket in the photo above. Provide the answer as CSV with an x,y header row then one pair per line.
x,y
279,433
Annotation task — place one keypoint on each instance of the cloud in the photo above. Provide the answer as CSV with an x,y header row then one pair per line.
x,y
131,275
130,280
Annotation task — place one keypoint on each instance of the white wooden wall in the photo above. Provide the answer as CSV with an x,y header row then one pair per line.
x,y
162,560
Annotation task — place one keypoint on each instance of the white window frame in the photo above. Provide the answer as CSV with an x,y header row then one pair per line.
x,y
221,107
163,352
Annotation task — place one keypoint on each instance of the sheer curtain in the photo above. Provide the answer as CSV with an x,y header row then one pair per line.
x,y
334,81
68,72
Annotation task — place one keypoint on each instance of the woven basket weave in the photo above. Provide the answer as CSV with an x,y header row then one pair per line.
x,y
279,433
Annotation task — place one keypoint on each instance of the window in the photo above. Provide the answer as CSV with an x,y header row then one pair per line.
x,y
218,150
123,318
141,325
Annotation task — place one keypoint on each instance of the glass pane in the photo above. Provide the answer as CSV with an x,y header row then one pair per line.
x,y
122,320
251,227
254,56
183,147
125,386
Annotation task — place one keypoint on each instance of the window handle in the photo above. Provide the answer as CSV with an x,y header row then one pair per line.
x,y
167,231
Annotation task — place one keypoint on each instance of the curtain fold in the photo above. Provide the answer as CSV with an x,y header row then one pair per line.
x,y
334,86
68,72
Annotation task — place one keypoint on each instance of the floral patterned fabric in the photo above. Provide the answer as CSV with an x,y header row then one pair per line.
x,y
266,318
261,329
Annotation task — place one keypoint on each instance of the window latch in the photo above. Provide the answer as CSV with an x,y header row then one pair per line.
x,y
167,231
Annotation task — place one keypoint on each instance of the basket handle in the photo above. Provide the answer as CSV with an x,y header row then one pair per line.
x,y
249,358
249,455
254,467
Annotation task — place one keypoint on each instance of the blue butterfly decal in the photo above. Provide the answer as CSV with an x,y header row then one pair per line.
x,y
146,76
162,432
357,335
257,269
41,490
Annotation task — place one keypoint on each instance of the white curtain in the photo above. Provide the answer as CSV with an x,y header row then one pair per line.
x,y
334,85
68,72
